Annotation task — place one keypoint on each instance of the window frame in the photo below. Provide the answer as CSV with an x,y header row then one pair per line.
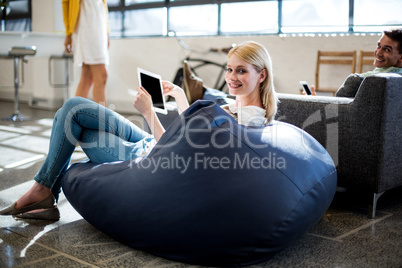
x,y
121,7
5,19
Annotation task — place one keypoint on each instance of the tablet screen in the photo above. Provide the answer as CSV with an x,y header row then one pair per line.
x,y
153,85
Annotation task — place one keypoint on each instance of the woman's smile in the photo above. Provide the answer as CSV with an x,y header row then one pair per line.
x,y
234,85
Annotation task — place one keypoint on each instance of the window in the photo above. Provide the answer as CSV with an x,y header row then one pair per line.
x,y
256,18
115,24
315,16
15,15
194,20
145,22
113,3
372,15
130,2
225,17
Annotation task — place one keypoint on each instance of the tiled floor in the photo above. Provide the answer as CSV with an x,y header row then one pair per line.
x,y
345,236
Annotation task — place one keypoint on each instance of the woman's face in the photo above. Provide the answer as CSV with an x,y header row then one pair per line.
x,y
241,77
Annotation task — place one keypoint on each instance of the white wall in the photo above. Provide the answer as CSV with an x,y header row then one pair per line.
x,y
294,57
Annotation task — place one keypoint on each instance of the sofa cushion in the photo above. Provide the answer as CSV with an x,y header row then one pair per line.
x,y
212,192
350,87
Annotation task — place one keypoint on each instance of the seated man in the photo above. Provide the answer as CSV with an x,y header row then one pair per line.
x,y
388,54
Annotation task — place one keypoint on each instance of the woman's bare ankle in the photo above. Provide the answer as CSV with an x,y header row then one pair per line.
x,y
37,193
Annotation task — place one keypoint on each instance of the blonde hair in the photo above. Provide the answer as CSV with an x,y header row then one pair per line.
x,y
257,55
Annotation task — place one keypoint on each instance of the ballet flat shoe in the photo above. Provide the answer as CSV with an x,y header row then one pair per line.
x,y
52,214
48,202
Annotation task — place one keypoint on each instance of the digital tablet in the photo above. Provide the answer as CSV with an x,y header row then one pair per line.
x,y
153,85
306,88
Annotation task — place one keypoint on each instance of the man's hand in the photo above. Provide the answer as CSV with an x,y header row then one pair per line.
x,y
313,90
312,87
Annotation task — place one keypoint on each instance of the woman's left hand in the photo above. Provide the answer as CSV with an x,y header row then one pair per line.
x,y
176,92
170,89
143,102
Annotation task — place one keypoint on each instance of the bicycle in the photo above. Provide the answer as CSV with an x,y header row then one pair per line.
x,y
202,64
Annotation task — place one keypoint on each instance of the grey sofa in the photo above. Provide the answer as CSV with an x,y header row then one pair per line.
x,y
360,128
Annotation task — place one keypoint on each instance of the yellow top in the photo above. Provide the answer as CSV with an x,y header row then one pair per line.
x,y
71,11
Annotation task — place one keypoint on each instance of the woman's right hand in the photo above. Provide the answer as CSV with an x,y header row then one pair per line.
x,y
143,102
68,44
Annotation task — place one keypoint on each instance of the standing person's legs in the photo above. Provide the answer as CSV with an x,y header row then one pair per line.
x,y
95,74
85,83
99,75
75,117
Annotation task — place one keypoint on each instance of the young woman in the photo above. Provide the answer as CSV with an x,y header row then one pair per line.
x,y
106,136
87,31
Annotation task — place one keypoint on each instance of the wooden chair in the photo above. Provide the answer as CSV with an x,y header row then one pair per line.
x,y
365,58
333,58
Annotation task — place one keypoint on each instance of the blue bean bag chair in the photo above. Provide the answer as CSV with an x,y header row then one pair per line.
x,y
212,192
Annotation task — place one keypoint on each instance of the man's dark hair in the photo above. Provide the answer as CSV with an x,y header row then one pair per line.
x,y
396,35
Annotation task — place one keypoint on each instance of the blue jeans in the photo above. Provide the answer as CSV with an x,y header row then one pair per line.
x,y
104,135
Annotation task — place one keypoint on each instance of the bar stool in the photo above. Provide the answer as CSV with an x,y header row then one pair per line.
x,y
18,54
67,58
